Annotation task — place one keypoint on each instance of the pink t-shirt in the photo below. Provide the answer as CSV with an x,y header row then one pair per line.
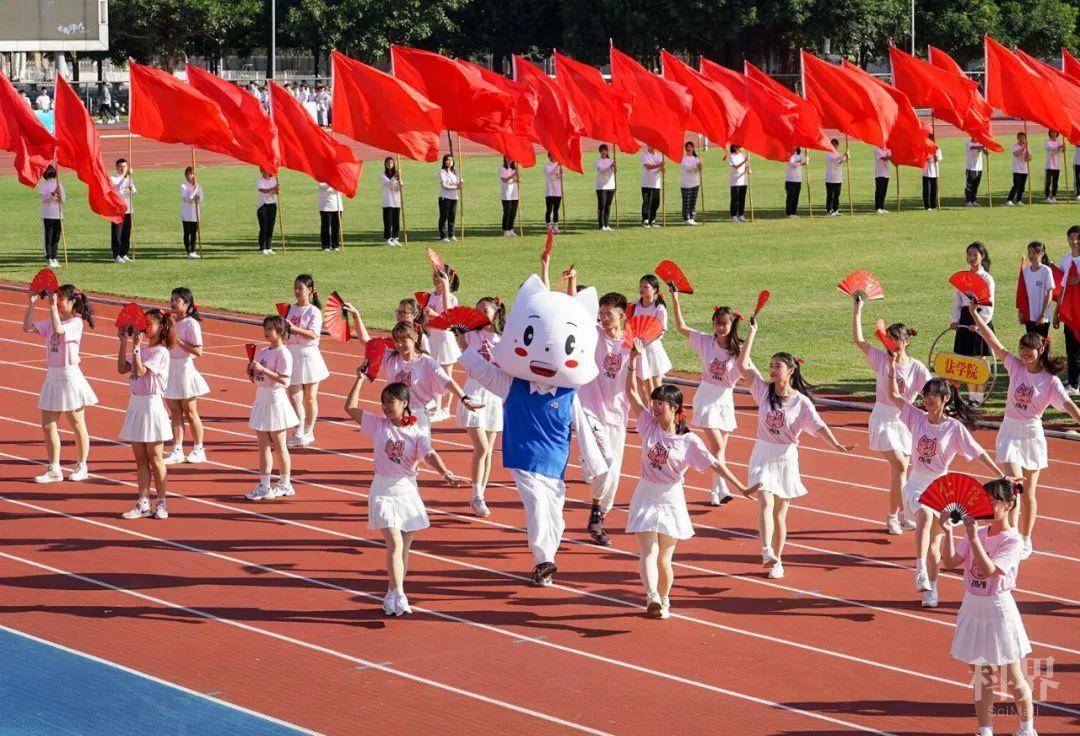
x,y
910,377
483,342
656,309
155,359
398,450
279,360
306,318
190,331
665,458
1004,551
61,350
935,445
719,366
782,426
1030,393
605,396
424,377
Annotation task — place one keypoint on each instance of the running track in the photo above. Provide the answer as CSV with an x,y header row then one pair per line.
x,y
271,611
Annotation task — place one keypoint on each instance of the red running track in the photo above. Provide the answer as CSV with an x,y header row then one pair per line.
x,y
228,595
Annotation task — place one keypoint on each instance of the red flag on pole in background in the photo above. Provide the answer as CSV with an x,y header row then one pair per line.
x,y
660,109
22,134
1070,65
808,132
848,102
165,109
1067,91
603,109
768,127
556,126
715,112
516,141
1019,90
79,149
308,148
256,139
375,108
908,143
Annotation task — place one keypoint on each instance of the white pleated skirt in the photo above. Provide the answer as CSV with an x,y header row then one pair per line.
x,y
395,503
308,365
488,418
146,420
1022,442
654,361
443,347
65,389
887,431
659,507
714,408
272,411
989,631
776,467
913,488
185,381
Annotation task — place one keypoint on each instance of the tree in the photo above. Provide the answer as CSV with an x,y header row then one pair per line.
x,y
163,32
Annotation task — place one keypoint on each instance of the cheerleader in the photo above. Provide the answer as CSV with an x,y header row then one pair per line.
x,y
308,367
391,202
989,633
52,197
967,340
1021,443
658,516
191,196
553,192
449,193
146,423
654,363
714,406
443,346
690,182
509,186
784,412
272,414
483,424
1039,285
65,391
394,503
186,384
889,435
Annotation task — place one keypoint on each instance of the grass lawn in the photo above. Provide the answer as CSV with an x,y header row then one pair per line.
x,y
912,252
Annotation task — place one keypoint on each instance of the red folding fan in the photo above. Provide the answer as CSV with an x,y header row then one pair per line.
x,y
673,276
44,283
958,495
374,352
642,328
549,245
436,260
131,318
883,337
762,300
464,319
969,284
862,283
336,319
283,309
422,298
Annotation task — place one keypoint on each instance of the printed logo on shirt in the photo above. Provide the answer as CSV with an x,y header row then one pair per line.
x,y
56,341
1022,396
774,420
403,377
259,377
485,351
394,450
612,364
718,369
901,385
926,448
658,455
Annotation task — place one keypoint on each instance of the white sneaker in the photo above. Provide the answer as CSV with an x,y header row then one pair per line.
x,y
768,557
176,456
881,212
390,243
80,473
295,440
259,493
444,240
127,259
892,525
281,489
197,455
118,259
51,475
691,222
1022,731
608,228
653,606
192,254
388,604
513,234
645,224
905,523
141,510
309,438
776,571
922,582
453,238
719,496
930,598
1020,203
1009,203
665,610
1027,549
54,263
161,511
401,605
555,228
479,507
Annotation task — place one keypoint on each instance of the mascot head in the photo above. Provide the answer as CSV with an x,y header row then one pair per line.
x,y
550,337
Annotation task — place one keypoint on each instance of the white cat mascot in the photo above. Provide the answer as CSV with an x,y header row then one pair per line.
x,y
547,352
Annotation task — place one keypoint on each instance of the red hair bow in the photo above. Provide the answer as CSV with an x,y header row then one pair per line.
x,y
738,315
799,361
1046,342
408,420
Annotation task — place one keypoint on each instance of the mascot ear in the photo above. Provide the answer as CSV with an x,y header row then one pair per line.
x,y
589,300
532,287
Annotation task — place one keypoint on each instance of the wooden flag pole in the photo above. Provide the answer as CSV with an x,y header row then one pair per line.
x,y
897,167
461,191
521,206
933,130
562,199
63,235
281,217
847,168
750,186
989,188
663,192
401,191
1064,167
198,216
1027,144
615,174
701,189
341,225
131,233
806,177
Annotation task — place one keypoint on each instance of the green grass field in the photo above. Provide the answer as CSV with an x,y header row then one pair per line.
x,y
912,252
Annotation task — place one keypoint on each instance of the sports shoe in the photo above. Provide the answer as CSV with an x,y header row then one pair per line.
x,y
719,496
281,489
80,473
51,475
453,238
141,510
176,456
479,507
388,604
390,243
645,224
259,493
118,259
665,610
1023,731
542,574
892,525
556,227
768,557
735,219
930,598
906,523
691,222
1009,203
53,263
1020,203
922,582
161,511
197,455
193,254
401,605
881,212
776,571
653,606
295,440
444,240
1027,549
309,438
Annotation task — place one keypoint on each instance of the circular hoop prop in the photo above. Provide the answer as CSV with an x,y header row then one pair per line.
x,y
965,370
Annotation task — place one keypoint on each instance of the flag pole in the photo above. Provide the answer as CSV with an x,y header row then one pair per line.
x,y
131,233
663,193
281,217
198,216
847,168
1027,145
63,235
750,185
806,177
933,131
615,175
461,191
701,188
897,167
401,191
341,224
1064,167
521,206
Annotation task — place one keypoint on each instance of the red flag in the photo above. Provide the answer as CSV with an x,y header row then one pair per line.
x,y
1069,309
908,143
1071,64
374,108
1066,89
468,101
165,109
516,141
557,126
78,148
604,110
23,134
768,127
1019,90
1022,294
848,102
715,111
660,109
808,132
308,148
256,137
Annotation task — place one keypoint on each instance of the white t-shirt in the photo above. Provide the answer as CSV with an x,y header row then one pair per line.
x,y
266,183
508,190
834,168
665,458
719,366
881,168
50,208
793,170
306,318
1053,154
910,377
1019,165
740,169
797,414
190,331
553,173
650,178
689,173
398,450
424,377
330,199
960,301
44,102
974,155
605,396
605,173
1038,283
189,210
1030,393
930,168
448,183
391,190
61,349
125,187
935,445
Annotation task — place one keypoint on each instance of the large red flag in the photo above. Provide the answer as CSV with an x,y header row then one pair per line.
x,y
256,139
557,126
715,111
516,141
1069,308
1066,89
604,110
468,101
308,148
808,132
165,109
1019,90
79,149
908,143
374,108
1070,64
768,127
848,102
661,109
23,134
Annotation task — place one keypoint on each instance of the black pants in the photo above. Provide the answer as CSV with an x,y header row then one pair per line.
x,y
447,214
1017,191
604,198
330,229
738,201
1043,329
1076,179
1072,356
551,210
191,230
971,185
881,189
1050,186
52,237
121,237
929,192
832,197
267,214
510,208
391,222
792,189
650,204
689,202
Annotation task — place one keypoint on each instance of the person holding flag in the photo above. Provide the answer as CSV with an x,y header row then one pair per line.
x,y
51,193
1054,148
882,159
331,205
191,197
652,177
121,231
834,179
973,174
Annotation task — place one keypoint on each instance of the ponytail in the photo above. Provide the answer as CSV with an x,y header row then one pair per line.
x,y
165,333
309,282
955,407
735,343
798,382
654,282
673,397
900,332
1052,364
498,322
184,294
80,305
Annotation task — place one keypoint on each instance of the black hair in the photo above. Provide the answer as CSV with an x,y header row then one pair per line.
x,y
80,305
412,305
691,144
165,336
445,158
187,298
309,282
977,245
835,142
415,330
1073,230
1039,247
735,343
733,148
673,397
189,170
452,277
509,164
399,391
603,148
49,172
390,167
498,322
120,161
798,382
899,331
278,324
1052,364
654,282
614,299
1003,489
955,407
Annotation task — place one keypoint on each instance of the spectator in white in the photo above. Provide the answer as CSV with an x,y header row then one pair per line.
x,y
882,159
793,176
930,172
44,102
26,99
975,153
322,102
268,189
509,186
391,202
652,176
104,103
739,180
253,90
51,194
264,97
689,182
834,179
606,170
553,193
191,198
1072,339
1021,155
331,205
121,231
1039,285
1054,148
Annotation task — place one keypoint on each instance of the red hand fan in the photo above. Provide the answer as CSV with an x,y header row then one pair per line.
x,y
863,283
967,283
250,349
958,495
673,276
131,318
283,309
465,319
44,283
642,328
422,298
436,260
336,319
883,337
549,245
762,300
373,355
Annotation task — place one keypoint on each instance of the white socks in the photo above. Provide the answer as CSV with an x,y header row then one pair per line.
x,y
285,479
985,731
720,484
478,490
920,565
264,481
